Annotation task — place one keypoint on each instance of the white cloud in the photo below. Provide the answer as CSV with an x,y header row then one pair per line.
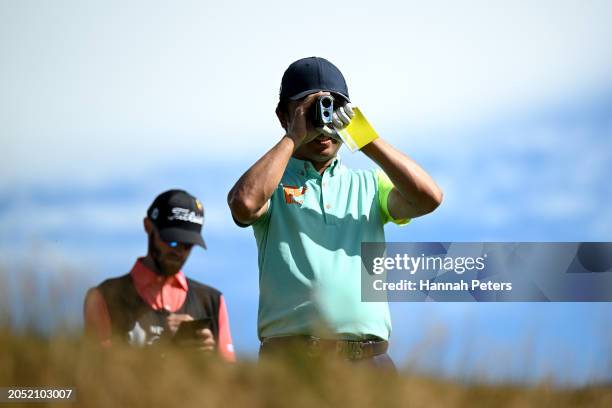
x,y
101,87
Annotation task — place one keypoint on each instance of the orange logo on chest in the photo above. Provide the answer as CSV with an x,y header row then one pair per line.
x,y
291,192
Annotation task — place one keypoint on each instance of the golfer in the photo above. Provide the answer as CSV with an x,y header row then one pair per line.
x,y
310,214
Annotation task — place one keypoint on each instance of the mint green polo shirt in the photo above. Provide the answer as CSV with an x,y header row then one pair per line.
x,y
309,244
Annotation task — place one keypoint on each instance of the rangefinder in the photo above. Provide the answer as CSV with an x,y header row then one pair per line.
x,y
324,110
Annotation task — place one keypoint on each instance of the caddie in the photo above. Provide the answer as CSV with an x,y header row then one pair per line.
x,y
148,305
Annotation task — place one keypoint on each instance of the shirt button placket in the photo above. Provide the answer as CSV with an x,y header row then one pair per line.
x,y
325,195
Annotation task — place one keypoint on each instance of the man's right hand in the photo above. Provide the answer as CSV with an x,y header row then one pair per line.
x,y
300,127
248,199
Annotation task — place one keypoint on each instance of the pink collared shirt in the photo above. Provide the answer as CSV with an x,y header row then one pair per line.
x,y
159,292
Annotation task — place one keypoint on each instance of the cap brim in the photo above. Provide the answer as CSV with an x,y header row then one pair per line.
x,y
182,236
311,91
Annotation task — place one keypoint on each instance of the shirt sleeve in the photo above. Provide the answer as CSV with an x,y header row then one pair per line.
x,y
385,185
96,318
263,218
225,346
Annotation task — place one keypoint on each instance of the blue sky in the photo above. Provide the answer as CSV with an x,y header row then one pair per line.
x,y
104,105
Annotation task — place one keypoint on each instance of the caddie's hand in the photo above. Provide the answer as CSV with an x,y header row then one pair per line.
x,y
174,321
203,340
300,127
206,340
341,119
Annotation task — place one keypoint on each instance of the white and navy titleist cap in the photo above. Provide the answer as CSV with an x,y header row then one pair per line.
x,y
178,216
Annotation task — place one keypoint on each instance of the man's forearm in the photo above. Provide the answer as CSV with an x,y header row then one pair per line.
x,y
417,189
256,186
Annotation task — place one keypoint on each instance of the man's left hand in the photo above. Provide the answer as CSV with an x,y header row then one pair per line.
x,y
203,340
341,119
207,341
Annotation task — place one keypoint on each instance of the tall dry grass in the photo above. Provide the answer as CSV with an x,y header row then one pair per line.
x,y
31,355
124,377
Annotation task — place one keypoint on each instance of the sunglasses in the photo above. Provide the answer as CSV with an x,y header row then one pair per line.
x,y
175,244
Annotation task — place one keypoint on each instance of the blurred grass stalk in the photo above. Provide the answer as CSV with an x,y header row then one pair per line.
x,y
124,376
54,354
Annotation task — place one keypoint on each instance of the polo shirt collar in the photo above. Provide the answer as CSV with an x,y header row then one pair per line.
x,y
144,277
298,166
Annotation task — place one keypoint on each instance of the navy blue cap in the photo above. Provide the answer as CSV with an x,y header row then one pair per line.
x,y
178,216
310,75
